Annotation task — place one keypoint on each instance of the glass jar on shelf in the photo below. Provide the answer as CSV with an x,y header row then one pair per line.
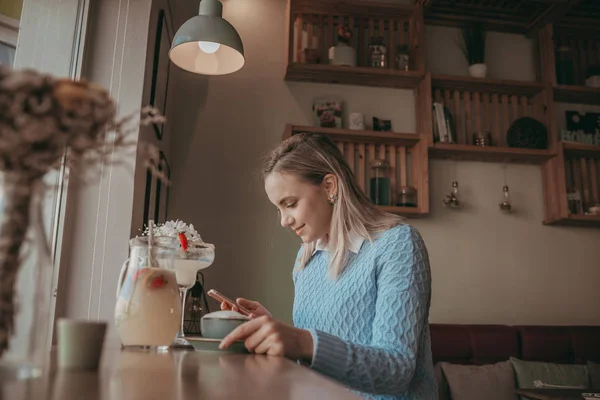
x,y
407,196
402,57
379,184
377,53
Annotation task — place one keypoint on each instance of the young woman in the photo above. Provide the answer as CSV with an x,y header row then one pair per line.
x,y
362,280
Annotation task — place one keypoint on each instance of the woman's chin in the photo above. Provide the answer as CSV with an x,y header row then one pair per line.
x,y
306,239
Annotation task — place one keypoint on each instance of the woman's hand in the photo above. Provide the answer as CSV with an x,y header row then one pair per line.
x,y
264,335
255,307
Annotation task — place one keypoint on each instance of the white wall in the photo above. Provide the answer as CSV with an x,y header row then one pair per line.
x,y
487,267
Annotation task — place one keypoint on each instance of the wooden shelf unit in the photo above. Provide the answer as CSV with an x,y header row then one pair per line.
x,y
496,154
581,150
586,52
359,76
576,165
403,151
488,105
413,212
376,137
577,220
476,104
577,95
312,24
523,16
496,86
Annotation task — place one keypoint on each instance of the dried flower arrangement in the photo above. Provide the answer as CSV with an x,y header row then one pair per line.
x,y
344,34
42,120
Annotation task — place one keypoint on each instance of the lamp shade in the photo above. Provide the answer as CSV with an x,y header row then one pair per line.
x,y
207,44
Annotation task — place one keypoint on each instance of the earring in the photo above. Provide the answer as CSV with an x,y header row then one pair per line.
x,y
332,199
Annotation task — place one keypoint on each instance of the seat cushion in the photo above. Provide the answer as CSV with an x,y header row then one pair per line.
x,y
594,372
490,382
528,372
442,382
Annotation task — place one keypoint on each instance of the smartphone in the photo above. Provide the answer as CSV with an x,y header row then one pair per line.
x,y
224,299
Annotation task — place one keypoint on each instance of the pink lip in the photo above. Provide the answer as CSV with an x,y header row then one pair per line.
x,y
299,230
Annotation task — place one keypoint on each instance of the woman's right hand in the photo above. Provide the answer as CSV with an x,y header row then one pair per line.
x,y
254,307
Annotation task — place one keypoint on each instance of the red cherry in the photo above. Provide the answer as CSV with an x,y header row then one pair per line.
x,y
183,241
158,282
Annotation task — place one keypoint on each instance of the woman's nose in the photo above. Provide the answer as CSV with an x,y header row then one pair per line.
x,y
286,220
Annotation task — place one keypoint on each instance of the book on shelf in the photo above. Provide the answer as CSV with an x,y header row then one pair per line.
x,y
443,124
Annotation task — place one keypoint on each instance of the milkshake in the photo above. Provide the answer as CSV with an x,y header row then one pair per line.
x,y
148,310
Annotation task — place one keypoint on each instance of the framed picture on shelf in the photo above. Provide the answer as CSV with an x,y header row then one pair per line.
x,y
149,196
156,197
160,70
162,191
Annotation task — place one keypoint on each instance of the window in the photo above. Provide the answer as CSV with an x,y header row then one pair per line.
x,y
9,31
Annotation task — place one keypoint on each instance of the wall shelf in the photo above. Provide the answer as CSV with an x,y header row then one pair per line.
x,y
401,139
487,105
360,76
574,149
524,16
577,220
476,105
489,154
466,83
312,31
404,211
406,154
577,95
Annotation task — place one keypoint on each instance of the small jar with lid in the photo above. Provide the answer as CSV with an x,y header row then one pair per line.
x,y
407,196
379,187
402,57
377,53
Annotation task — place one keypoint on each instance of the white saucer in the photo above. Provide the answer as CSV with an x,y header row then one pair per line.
x,y
205,344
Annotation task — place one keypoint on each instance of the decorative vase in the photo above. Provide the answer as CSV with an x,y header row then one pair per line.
x,y
25,277
342,54
478,70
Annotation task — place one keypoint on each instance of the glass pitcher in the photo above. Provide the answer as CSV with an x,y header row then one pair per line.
x,y
148,309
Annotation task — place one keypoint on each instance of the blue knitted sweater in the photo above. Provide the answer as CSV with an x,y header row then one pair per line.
x,y
370,326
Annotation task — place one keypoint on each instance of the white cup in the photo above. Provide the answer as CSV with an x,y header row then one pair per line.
x,y
357,121
80,343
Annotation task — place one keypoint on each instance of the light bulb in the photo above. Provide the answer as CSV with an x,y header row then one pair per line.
x,y
209,47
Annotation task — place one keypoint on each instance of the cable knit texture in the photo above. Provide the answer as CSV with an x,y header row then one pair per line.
x,y
370,326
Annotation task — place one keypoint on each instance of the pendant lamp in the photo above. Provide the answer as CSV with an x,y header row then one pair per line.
x,y
207,44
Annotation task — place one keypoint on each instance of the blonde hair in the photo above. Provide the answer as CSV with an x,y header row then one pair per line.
x,y
310,157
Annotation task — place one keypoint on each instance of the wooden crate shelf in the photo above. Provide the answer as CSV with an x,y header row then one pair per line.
x,y
405,211
577,220
522,16
376,137
403,151
585,52
497,86
489,154
360,76
312,27
576,168
582,172
583,17
581,150
486,105
476,105
577,95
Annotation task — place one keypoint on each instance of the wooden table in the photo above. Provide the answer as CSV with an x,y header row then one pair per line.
x,y
553,394
180,375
